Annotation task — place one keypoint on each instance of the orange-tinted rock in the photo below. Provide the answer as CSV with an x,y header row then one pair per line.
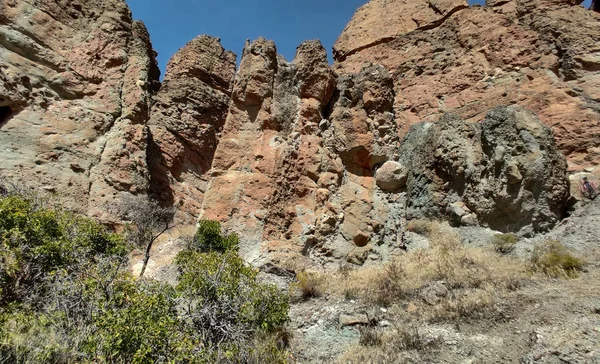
x,y
77,78
382,20
187,119
270,163
540,54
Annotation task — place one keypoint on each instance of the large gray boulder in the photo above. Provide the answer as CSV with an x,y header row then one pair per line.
x,y
506,170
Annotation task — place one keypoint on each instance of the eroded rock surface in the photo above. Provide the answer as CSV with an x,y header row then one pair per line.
x,y
187,119
505,170
541,54
76,84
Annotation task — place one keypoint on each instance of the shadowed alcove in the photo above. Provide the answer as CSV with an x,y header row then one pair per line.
x,y
5,113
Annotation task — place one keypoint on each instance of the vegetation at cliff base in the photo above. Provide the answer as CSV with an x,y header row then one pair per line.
x,y
66,296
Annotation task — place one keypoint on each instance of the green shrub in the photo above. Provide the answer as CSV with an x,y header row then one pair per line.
x,y
66,296
36,242
140,323
209,238
554,259
227,290
504,243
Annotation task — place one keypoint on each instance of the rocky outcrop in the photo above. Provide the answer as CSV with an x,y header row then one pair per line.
x,y
269,158
76,80
300,176
540,54
187,120
304,161
380,21
505,172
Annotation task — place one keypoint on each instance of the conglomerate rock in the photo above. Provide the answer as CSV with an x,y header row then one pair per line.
x,y
506,171
540,54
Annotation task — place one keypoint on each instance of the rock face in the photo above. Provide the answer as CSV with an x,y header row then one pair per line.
x,y
308,162
506,171
187,119
76,80
541,54
270,159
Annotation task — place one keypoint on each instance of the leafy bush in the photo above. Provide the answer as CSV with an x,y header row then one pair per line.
x,y
227,292
36,242
554,259
209,238
67,297
140,323
504,243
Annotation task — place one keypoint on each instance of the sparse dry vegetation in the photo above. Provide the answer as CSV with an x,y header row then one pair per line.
x,y
421,227
462,269
370,336
387,347
555,260
450,283
504,243
308,285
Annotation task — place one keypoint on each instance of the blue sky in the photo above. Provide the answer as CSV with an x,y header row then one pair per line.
x,y
288,22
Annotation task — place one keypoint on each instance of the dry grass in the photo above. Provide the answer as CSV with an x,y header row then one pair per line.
x,y
459,267
308,285
370,336
390,345
504,243
464,305
555,260
421,227
474,285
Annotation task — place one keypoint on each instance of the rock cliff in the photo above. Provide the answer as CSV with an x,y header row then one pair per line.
x,y
308,161
186,123
445,57
77,85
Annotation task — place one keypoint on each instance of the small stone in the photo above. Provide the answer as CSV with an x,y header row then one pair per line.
x,y
354,319
411,308
433,293
76,168
361,238
359,255
391,176
469,220
513,174
329,220
499,154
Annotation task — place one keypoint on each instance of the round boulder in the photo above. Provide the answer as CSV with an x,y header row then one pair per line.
x,y
391,176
